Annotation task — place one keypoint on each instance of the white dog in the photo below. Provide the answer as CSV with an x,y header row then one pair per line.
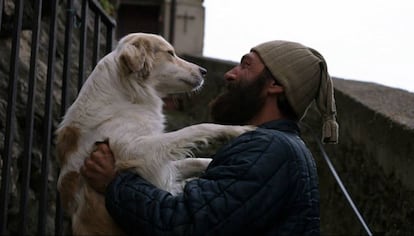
x,y
121,101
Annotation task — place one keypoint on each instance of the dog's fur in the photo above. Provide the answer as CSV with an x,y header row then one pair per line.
x,y
121,101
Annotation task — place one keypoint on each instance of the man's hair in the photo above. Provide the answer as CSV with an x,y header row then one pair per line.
x,y
282,101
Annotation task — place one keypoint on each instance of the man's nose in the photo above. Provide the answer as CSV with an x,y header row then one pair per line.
x,y
230,75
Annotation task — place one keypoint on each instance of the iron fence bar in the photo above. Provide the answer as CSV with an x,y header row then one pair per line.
x,y
173,9
67,59
82,46
107,20
109,37
67,62
10,122
27,153
1,12
58,216
47,125
70,16
96,39
96,7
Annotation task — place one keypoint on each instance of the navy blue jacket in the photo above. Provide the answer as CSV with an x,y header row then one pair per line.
x,y
262,183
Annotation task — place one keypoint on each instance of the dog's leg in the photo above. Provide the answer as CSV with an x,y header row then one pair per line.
x,y
148,154
69,185
191,167
92,218
176,145
173,145
193,136
186,170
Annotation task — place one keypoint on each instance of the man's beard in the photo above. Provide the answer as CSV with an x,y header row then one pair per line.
x,y
240,103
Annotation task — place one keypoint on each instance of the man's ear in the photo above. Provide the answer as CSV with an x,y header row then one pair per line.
x,y
137,57
274,88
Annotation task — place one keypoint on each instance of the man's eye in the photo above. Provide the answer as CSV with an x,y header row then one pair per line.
x,y
245,64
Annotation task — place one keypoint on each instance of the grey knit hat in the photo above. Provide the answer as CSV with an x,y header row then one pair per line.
x,y
303,73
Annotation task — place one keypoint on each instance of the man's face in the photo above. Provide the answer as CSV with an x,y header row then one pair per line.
x,y
245,96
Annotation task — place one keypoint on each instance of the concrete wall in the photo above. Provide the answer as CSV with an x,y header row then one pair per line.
x,y
374,158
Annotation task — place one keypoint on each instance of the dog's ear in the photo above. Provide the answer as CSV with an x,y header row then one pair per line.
x,y
138,57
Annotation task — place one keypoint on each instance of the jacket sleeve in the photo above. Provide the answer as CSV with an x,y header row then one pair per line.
x,y
247,180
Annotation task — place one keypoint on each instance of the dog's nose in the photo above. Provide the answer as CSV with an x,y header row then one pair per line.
x,y
203,72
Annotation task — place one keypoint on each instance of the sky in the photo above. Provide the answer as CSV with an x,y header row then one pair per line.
x,y
364,40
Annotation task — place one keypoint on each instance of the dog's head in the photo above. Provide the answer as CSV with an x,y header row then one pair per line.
x,y
152,61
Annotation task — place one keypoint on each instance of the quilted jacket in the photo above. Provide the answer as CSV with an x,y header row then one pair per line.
x,y
262,183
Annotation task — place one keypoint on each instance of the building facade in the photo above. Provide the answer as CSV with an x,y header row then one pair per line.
x,y
181,22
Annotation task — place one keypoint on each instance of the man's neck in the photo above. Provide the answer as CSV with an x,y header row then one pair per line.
x,y
270,111
266,115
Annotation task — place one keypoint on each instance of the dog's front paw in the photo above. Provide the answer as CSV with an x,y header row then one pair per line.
x,y
238,130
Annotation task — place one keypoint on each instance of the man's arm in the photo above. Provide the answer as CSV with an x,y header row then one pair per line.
x,y
248,182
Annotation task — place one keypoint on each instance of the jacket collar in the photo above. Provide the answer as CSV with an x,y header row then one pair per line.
x,y
282,125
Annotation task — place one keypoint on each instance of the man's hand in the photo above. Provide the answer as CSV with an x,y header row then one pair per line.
x,y
99,168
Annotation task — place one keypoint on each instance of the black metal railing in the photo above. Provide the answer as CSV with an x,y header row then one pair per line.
x,y
73,18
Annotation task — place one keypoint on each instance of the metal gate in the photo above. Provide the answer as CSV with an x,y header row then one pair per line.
x,y
94,27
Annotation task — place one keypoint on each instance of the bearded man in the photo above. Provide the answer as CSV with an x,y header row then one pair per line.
x,y
262,183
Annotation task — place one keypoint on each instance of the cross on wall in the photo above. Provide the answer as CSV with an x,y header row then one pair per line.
x,y
186,18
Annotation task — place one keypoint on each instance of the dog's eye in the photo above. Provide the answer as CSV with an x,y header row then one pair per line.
x,y
171,52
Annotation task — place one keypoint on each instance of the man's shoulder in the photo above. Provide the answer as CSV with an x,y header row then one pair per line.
x,y
262,139
263,134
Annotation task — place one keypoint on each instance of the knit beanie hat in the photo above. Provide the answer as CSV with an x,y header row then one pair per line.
x,y
303,73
